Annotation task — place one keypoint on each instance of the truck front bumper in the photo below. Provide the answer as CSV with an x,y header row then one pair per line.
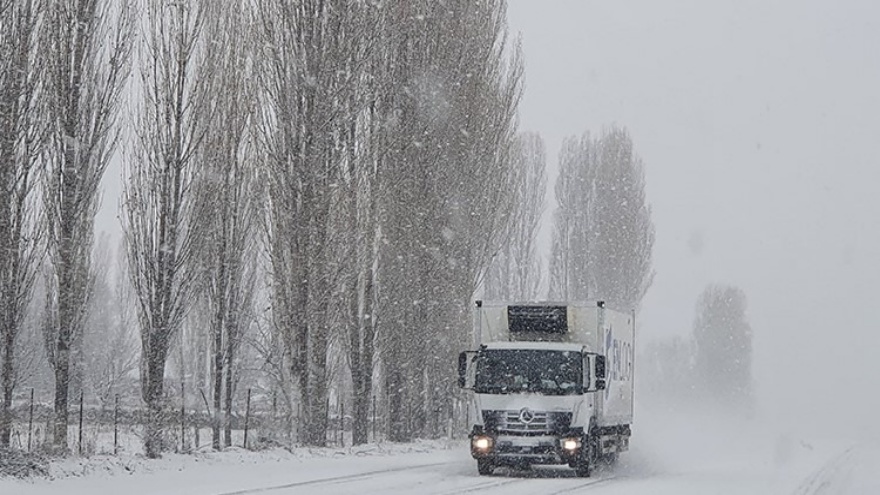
x,y
522,449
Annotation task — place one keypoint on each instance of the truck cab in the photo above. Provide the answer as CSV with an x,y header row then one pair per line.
x,y
539,386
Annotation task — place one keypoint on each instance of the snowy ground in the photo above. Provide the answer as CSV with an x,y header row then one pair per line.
x,y
669,456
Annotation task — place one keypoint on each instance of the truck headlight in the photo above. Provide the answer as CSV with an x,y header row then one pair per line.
x,y
570,444
482,443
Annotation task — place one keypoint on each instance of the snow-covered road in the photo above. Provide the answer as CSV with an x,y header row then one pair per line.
x,y
671,456
436,472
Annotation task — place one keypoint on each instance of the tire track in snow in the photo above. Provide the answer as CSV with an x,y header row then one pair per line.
x,y
823,480
482,486
591,483
332,481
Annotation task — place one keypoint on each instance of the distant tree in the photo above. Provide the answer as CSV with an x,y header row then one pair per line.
x,y
603,235
573,221
515,272
22,132
110,347
622,231
723,345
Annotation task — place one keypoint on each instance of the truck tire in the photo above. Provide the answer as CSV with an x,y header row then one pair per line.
x,y
583,467
485,467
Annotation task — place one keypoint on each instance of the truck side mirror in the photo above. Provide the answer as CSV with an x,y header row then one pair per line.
x,y
462,369
600,372
466,371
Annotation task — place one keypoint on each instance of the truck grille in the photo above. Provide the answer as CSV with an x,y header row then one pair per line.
x,y
510,421
533,423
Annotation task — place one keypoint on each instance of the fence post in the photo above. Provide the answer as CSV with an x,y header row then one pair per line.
x,y
247,417
116,426
342,424
31,420
182,417
374,419
80,422
47,429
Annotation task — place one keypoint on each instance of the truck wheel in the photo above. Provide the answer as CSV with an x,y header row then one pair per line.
x,y
485,467
583,467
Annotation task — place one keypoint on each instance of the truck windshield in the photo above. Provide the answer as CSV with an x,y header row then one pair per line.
x,y
510,371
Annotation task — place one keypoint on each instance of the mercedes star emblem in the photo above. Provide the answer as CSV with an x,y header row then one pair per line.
x,y
526,415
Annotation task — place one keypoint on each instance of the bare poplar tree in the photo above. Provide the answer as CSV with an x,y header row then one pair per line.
x,y
230,188
357,223
623,233
387,130
21,137
447,194
161,217
515,273
306,78
88,44
573,221
603,234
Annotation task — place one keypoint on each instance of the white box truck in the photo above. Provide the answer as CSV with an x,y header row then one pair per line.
x,y
549,384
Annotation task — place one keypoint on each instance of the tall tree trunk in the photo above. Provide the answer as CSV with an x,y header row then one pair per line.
x,y
8,380
218,389
153,392
362,370
230,356
62,381
358,427
8,330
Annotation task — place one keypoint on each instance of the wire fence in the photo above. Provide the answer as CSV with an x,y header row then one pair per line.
x,y
119,427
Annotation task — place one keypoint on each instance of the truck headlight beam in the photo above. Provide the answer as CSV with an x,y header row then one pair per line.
x,y
482,443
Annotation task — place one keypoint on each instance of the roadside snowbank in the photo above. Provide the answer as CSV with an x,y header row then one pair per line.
x,y
93,469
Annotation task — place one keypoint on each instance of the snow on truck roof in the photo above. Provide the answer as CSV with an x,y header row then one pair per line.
x,y
543,346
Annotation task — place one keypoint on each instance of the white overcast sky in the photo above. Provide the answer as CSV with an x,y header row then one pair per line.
x,y
759,125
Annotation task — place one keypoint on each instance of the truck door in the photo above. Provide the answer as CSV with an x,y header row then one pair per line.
x,y
594,372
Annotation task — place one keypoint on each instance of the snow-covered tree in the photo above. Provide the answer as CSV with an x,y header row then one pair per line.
x,y
87,44
228,183
622,231
448,192
22,134
573,221
387,129
603,235
515,272
162,220
307,78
